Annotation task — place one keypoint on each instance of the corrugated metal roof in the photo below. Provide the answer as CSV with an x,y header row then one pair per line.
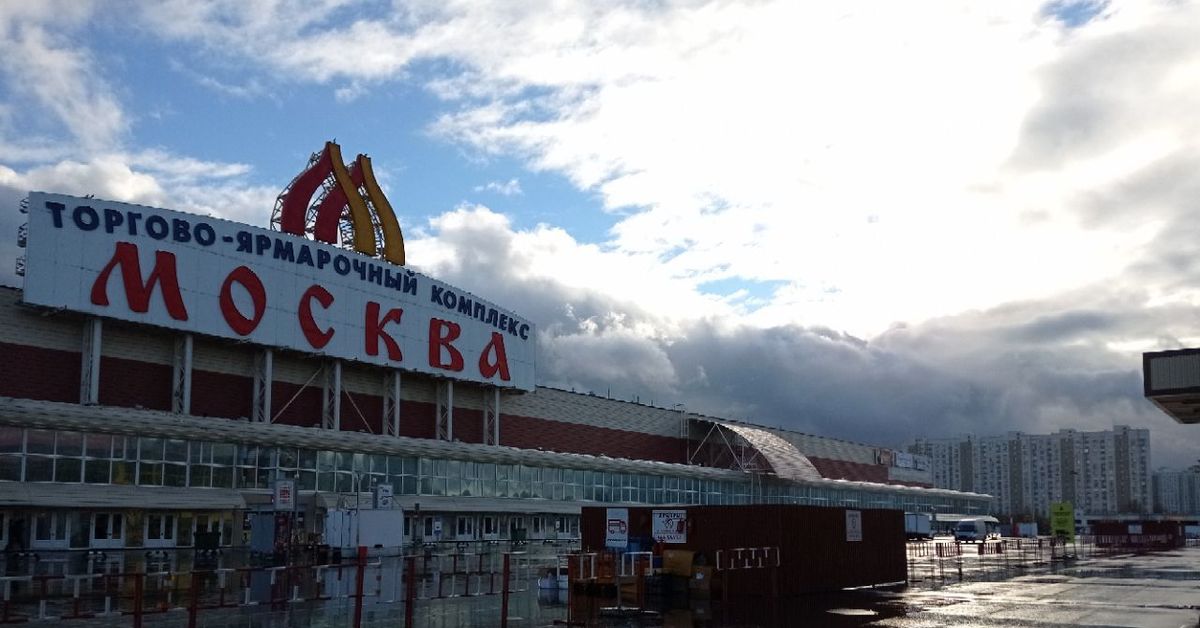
x,y
785,459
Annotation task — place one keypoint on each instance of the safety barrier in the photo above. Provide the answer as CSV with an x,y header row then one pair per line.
x,y
354,583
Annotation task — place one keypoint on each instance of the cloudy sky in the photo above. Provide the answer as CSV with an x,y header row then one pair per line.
x,y
864,219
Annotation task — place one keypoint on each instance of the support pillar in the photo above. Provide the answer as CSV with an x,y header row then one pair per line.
x,y
445,410
491,416
181,377
89,379
391,403
264,362
331,414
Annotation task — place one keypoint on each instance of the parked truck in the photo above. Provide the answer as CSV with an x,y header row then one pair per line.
x,y
977,530
917,526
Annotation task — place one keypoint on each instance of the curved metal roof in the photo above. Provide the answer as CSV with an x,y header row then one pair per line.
x,y
784,458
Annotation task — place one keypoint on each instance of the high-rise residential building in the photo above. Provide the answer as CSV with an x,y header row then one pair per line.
x,y
1177,492
1104,472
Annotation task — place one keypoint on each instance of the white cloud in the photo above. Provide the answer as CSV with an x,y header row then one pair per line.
x,y
38,52
512,187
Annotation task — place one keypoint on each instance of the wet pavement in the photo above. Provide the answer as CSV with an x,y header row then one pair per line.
x,y
1018,589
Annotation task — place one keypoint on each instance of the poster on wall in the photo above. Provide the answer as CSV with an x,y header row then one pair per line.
x,y
669,526
854,530
616,534
285,495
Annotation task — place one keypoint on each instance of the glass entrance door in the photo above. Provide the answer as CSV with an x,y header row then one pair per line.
x,y
50,530
108,530
160,530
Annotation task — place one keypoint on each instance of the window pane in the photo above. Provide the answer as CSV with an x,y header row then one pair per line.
x,y
99,445
122,472
201,475
222,477
67,470
150,449
10,439
39,469
174,475
70,444
223,453
10,468
150,474
40,442
177,451
288,458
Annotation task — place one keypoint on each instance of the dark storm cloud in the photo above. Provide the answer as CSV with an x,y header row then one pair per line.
x,y
1035,366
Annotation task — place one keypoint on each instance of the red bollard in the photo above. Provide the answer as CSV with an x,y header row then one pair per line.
x,y
358,586
137,599
641,582
410,590
194,603
504,594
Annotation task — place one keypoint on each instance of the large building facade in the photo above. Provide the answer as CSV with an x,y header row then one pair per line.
x,y
1104,472
1177,492
132,417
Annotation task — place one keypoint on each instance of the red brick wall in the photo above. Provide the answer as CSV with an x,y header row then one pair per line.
x,y
36,373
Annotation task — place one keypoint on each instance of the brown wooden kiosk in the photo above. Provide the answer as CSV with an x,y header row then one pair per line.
x,y
757,550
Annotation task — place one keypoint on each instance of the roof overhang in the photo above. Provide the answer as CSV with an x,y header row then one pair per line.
x,y
1171,380
113,497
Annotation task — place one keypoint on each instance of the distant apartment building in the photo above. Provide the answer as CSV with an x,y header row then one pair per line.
x,y
1103,472
1177,492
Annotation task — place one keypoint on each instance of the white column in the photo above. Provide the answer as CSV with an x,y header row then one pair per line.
x,y
181,380
264,362
445,410
89,376
331,416
491,415
391,403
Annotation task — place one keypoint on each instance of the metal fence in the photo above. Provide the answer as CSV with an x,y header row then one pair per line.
x,y
356,591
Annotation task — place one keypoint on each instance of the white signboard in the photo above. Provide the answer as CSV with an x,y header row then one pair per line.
x,y
209,276
285,495
854,530
905,460
669,526
1135,528
616,533
383,496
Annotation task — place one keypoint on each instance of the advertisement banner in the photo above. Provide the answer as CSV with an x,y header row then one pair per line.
x,y
197,274
616,534
854,531
669,526
285,495
1062,520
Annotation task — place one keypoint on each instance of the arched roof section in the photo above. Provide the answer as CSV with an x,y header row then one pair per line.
x,y
784,458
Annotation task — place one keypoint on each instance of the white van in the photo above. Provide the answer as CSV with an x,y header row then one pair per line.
x,y
977,530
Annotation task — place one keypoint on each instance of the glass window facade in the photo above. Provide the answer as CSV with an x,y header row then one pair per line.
x,y
36,455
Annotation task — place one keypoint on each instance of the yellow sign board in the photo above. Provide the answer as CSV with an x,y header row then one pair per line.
x,y
1062,520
